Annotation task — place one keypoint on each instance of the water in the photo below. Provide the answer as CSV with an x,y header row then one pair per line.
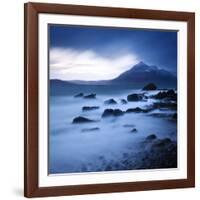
x,y
74,150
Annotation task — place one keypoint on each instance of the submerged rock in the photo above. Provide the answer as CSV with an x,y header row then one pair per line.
x,y
112,112
88,108
135,97
123,101
161,142
110,101
79,95
82,120
90,129
150,86
90,96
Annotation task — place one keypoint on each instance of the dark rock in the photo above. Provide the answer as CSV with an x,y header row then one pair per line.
x,y
137,110
110,101
88,108
81,120
151,137
90,96
123,101
135,97
170,94
79,95
90,129
112,112
134,130
150,86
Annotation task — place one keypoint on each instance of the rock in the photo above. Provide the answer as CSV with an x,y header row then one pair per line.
x,y
170,94
81,120
137,110
123,101
134,130
110,101
150,86
128,125
88,108
151,137
90,96
112,112
135,97
79,95
90,129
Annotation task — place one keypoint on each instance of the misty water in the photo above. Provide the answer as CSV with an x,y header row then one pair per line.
x,y
72,149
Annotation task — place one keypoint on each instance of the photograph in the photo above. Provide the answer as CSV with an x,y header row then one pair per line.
x,y
112,99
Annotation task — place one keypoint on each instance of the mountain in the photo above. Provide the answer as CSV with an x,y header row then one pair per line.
x,y
141,74
137,77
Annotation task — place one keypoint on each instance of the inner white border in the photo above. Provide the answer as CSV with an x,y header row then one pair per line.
x,y
121,176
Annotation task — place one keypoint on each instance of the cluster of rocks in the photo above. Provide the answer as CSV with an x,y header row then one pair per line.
x,y
166,100
89,96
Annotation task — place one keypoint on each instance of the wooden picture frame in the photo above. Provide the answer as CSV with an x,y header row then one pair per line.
x,y
31,95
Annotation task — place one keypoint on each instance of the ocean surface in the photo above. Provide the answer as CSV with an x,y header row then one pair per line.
x,y
74,149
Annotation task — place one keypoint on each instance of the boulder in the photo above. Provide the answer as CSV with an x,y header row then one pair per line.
x,y
79,95
165,104
150,86
110,101
135,97
161,142
90,96
81,120
112,112
89,108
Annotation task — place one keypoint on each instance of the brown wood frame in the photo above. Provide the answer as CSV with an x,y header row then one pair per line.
x,y
31,188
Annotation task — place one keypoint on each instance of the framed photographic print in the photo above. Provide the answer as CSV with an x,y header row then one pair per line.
x,y
109,99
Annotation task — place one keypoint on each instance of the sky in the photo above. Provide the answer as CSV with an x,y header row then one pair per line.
x,y
103,53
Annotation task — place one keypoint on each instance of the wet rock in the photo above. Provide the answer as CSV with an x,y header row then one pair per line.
x,y
110,101
137,110
112,112
79,95
90,96
151,137
170,94
123,101
81,120
89,108
150,86
90,129
135,97
134,130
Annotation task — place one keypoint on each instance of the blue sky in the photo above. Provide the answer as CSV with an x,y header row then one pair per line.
x,y
97,53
